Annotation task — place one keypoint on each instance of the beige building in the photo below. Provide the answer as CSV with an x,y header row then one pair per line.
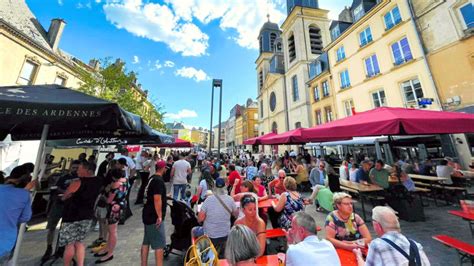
x,y
30,55
283,64
447,29
376,59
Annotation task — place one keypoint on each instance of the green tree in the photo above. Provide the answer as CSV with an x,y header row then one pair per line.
x,y
114,83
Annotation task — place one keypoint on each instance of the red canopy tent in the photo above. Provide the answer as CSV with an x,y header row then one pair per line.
x,y
178,143
393,121
289,137
257,140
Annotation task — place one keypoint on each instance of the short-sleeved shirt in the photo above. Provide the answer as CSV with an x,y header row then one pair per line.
x,y
217,222
349,230
156,186
445,171
181,172
380,176
203,185
362,175
130,163
15,208
81,205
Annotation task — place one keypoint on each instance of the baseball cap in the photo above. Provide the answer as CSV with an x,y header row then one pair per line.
x,y
160,164
220,182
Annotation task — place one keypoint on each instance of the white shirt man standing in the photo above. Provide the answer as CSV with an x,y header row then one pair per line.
x,y
305,247
179,174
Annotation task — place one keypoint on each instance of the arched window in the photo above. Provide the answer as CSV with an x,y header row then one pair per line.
x,y
272,41
291,47
272,101
315,40
260,42
274,127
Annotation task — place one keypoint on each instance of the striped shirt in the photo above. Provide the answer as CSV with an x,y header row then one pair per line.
x,y
217,222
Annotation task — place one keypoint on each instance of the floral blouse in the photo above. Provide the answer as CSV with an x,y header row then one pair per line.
x,y
349,230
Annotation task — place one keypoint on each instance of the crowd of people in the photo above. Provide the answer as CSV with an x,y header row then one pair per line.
x,y
227,197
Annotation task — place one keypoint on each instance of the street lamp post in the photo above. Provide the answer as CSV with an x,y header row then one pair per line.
x,y
210,128
217,83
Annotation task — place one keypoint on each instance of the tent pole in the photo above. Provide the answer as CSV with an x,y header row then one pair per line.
x,y
39,156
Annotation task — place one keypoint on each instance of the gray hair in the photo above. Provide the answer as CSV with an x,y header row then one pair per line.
x,y
339,196
219,191
306,221
241,244
386,217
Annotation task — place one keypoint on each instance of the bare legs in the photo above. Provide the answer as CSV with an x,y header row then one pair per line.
x,y
76,248
111,241
158,256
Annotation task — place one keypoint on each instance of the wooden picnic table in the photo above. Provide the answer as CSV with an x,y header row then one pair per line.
x,y
466,216
347,258
431,181
360,189
266,203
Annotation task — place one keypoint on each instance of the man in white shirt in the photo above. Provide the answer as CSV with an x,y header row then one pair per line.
x,y
179,174
305,247
130,170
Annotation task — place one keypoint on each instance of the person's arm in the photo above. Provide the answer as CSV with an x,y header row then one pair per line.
x,y
360,259
270,186
199,191
172,171
157,203
265,195
201,216
189,170
261,236
331,237
372,176
236,183
71,189
278,207
364,231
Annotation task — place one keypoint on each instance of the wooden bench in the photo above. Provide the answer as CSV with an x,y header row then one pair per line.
x,y
465,250
418,183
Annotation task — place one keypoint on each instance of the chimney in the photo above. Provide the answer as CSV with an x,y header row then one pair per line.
x,y
55,32
95,64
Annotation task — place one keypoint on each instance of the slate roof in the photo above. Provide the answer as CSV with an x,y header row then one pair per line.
x,y
16,14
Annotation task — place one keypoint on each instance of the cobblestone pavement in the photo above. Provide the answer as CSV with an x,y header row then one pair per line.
x,y
130,235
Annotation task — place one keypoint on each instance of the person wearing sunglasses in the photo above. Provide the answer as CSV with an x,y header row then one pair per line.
x,y
248,205
344,228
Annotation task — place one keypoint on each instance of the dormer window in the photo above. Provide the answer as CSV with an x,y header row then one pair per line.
x,y
358,12
335,32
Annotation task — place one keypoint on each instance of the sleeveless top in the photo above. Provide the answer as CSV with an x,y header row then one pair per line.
x,y
291,206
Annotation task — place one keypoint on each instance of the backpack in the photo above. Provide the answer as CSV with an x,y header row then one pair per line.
x,y
202,253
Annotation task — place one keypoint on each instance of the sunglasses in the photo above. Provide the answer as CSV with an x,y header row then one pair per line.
x,y
248,200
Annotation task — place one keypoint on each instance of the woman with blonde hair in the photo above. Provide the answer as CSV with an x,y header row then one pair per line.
x,y
289,202
344,228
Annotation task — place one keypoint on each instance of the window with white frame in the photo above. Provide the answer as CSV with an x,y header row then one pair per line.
x,y
401,51
325,86
340,54
319,117
467,13
392,18
328,111
344,77
294,83
372,66
59,80
378,98
319,68
335,32
358,12
365,36
316,93
412,91
27,73
348,106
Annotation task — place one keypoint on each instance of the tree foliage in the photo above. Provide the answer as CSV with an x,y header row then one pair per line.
x,y
114,83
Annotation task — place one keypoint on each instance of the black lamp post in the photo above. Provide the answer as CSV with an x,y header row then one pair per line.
x,y
216,83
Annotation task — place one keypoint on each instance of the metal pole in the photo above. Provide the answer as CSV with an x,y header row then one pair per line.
x,y
220,115
39,156
210,127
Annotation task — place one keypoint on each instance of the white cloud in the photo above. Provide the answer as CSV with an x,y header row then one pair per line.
x,y
192,73
87,5
136,60
174,21
60,2
184,113
156,66
158,23
169,63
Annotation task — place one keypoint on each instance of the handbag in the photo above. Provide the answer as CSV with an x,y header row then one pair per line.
x,y
232,218
202,253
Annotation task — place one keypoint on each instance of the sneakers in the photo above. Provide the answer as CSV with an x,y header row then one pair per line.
x,y
99,248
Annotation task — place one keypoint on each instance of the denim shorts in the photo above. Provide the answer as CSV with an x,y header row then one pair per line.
x,y
155,237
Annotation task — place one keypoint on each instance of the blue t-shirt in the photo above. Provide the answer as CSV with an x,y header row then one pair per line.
x,y
362,175
251,172
15,208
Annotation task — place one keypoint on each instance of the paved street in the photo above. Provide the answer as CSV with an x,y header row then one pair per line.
x,y
130,237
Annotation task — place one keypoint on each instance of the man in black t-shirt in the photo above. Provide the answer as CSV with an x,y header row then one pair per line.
x,y
153,220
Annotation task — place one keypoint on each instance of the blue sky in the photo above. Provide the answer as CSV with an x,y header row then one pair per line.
x,y
176,46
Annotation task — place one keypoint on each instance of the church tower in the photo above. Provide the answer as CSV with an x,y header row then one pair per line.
x,y
305,33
